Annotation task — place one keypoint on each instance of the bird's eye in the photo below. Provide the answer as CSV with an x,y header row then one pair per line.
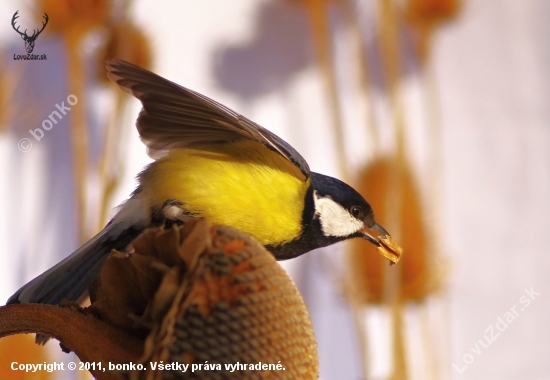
x,y
355,211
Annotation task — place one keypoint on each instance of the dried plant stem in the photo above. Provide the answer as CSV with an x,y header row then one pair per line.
x,y
363,70
399,350
317,12
391,59
359,308
392,298
322,40
350,292
427,341
11,76
359,311
436,183
110,165
436,187
391,62
79,133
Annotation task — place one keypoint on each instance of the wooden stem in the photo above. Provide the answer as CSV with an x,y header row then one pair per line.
x,y
89,338
79,133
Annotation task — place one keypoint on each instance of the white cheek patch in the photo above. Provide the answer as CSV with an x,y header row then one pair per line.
x,y
335,220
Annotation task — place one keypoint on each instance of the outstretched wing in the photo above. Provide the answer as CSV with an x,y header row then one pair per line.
x,y
176,117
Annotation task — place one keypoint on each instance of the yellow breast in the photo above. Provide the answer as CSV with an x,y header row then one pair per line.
x,y
241,184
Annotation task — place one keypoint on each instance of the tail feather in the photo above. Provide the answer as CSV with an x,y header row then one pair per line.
x,y
70,278
81,278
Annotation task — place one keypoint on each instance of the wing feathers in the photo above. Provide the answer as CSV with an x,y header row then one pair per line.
x,y
176,117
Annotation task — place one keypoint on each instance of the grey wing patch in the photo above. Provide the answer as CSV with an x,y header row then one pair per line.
x,y
176,117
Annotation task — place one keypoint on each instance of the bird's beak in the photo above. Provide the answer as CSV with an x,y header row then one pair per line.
x,y
373,233
385,245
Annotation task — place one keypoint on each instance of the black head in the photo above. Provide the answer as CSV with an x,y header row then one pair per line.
x,y
341,209
342,212
333,212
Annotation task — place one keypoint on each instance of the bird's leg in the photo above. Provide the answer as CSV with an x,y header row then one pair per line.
x,y
174,213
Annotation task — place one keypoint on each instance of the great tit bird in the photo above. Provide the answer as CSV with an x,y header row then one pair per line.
x,y
213,163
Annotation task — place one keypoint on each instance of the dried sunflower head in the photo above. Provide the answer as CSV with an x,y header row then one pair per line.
x,y
207,294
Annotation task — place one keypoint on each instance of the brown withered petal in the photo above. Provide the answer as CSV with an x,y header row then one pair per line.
x,y
151,272
118,296
195,242
165,294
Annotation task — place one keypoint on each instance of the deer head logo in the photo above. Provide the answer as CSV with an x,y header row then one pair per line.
x,y
29,40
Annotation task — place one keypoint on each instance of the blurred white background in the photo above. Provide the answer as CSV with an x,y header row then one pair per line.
x,y
492,67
